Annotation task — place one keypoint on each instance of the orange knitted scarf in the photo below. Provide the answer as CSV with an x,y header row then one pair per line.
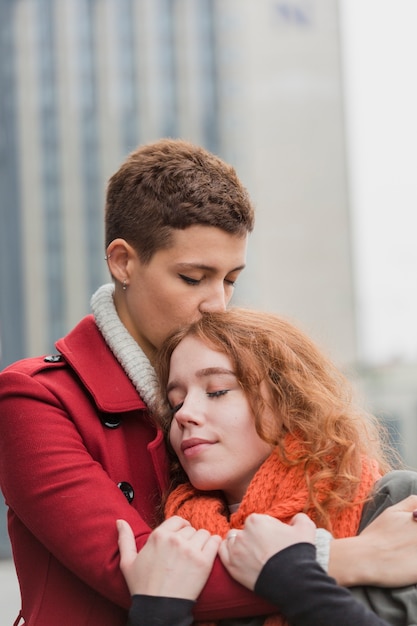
x,y
276,489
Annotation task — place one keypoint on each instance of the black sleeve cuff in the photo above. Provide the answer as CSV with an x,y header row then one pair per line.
x,y
282,575
160,611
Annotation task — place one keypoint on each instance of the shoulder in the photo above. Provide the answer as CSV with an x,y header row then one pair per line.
x,y
44,367
83,365
34,365
78,336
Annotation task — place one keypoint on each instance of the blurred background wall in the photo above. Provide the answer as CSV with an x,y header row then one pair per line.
x,y
273,87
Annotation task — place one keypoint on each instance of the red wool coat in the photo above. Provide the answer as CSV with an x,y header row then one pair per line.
x,y
77,452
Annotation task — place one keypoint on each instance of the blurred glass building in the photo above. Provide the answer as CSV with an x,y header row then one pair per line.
x,y
83,82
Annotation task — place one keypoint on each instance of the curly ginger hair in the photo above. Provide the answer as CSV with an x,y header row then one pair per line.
x,y
281,369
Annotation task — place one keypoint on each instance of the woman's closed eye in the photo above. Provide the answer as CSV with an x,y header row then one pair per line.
x,y
189,280
196,281
211,394
176,408
217,394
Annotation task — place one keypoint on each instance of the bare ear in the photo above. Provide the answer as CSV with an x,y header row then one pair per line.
x,y
120,256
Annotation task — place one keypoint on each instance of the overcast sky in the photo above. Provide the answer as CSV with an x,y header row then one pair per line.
x,y
380,69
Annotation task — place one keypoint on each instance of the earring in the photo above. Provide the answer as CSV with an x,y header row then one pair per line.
x,y
124,285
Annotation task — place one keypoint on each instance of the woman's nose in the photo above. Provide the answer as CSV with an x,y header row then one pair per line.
x,y
188,413
215,300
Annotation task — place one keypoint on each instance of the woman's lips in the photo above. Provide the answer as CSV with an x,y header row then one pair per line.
x,y
193,446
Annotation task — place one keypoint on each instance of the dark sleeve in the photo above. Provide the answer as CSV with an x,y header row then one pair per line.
x,y
159,611
303,592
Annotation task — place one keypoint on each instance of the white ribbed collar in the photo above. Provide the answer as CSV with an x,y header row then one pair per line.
x,y
126,350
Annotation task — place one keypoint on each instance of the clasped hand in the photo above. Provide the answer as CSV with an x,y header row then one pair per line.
x,y
177,559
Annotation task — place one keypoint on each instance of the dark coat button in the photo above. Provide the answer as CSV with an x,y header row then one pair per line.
x,y
127,490
53,358
111,421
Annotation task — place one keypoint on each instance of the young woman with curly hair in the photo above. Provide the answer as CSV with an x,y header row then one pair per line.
x,y
260,421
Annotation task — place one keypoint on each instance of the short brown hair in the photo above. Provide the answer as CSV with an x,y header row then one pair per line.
x,y
173,184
